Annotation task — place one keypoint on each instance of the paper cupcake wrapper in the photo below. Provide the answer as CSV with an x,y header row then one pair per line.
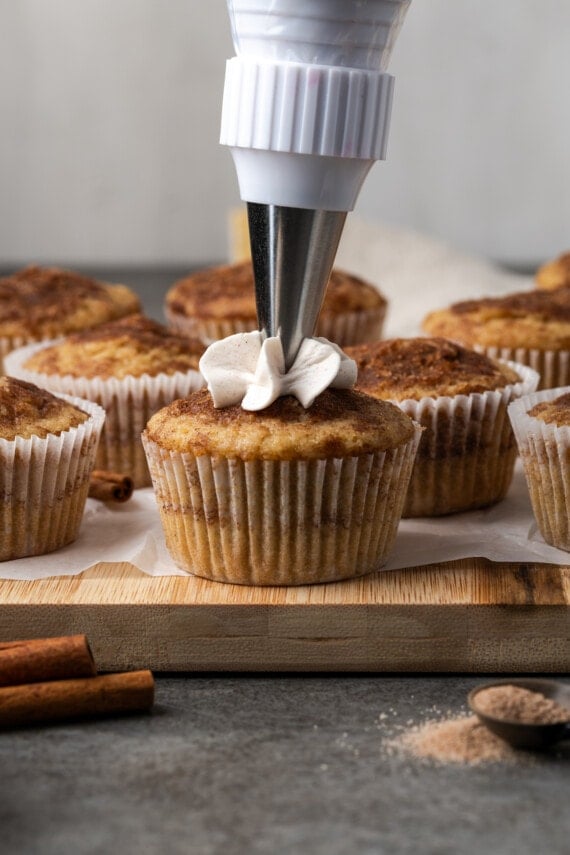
x,y
467,452
10,343
207,330
345,329
277,522
349,328
553,366
545,454
129,404
44,484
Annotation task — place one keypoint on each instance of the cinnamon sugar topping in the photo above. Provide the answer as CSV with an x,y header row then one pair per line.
x,y
228,292
425,367
133,346
39,302
26,410
553,412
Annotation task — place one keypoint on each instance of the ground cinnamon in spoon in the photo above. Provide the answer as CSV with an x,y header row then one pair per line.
x,y
513,703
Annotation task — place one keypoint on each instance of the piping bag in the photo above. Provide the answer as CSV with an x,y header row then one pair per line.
x,y
306,110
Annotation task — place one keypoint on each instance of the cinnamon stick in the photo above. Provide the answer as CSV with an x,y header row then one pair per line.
x,y
61,700
42,659
110,486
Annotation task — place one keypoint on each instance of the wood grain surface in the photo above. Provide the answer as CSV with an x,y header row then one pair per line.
x,y
463,616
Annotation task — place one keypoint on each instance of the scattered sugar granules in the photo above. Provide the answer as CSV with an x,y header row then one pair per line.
x,y
455,740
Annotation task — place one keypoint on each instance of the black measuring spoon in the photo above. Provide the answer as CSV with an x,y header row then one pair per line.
x,y
523,735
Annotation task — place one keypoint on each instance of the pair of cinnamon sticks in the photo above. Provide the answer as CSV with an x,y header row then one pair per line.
x,y
51,679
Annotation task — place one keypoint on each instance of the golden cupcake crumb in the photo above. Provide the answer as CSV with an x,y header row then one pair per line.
x,y
132,346
228,292
555,412
425,367
26,410
340,423
39,302
530,319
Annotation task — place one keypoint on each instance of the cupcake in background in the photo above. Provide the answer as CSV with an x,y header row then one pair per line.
x,y
541,423
39,303
220,301
467,451
284,496
47,453
131,367
555,273
529,327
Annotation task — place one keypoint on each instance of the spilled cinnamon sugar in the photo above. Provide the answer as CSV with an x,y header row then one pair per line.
x,y
456,740
464,739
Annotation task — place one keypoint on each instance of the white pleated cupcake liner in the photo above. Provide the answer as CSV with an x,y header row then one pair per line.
x,y
350,328
545,453
276,522
344,329
553,366
44,484
207,330
128,402
467,452
10,343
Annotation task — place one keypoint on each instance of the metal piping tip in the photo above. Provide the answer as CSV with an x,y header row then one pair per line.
x,y
293,251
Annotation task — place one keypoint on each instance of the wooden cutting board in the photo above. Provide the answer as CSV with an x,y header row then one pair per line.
x,y
463,616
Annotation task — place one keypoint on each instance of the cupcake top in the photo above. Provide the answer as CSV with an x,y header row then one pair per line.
x,y
554,274
26,411
40,302
340,423
556,412
133,346
425,367
529,319
228,292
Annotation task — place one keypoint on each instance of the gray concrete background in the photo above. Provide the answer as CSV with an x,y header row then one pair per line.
x,y
110,123
273,765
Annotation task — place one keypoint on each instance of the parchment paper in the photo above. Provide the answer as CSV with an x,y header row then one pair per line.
x,y
132,532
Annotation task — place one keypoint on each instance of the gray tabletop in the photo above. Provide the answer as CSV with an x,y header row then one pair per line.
x,y
271,764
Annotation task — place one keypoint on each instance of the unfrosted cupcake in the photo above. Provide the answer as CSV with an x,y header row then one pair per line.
x,y
131,367
467,451
541,423
220,301
39,303
530,327
283,496
47,453
555,273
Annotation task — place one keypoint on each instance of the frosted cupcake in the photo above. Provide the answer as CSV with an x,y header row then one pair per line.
x,y
467,451
47,453
555,273
284,496
131,367
39,303
530,327
220,301
541,423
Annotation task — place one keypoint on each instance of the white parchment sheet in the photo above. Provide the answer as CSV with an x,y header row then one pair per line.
x,y
132,532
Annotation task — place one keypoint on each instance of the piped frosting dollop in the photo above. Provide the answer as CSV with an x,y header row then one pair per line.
x,y
249,369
